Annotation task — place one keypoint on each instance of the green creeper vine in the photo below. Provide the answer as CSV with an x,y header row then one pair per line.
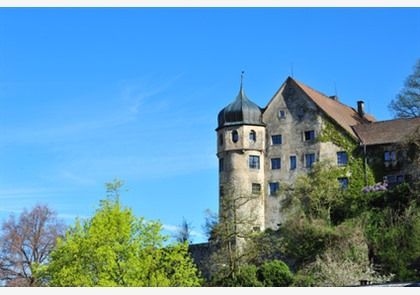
x,y
356,166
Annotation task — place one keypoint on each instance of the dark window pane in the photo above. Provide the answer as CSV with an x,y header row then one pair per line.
x,y
341,158
292,162
276,139
275,163
254,162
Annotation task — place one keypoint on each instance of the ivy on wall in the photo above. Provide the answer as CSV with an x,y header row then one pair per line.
x,y
355,169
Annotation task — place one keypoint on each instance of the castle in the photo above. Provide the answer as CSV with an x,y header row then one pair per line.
x,y
260,149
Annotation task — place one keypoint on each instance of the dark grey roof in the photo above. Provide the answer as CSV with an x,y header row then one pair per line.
x,y
240,111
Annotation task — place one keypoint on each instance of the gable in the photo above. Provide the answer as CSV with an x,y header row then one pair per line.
x,y
341,114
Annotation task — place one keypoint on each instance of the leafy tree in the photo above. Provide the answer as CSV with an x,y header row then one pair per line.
x,y
345,260
183,233
407,102
115,248
229,234
393,228
317,194
26,243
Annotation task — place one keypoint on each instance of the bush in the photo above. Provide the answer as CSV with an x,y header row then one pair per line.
x,y
275,273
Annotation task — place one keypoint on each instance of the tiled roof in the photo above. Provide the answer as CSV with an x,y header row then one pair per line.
x,y
386,131
342,114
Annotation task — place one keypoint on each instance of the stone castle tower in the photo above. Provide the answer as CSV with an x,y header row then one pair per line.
x,y
240,149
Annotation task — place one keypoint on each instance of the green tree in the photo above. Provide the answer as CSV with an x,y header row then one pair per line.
x,y
316,194
114,248
393,229
275,273
230,232
407,102
344,260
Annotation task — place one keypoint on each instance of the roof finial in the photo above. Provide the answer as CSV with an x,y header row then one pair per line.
x,y
242,79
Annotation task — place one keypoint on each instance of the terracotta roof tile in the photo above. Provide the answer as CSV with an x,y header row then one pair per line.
x,y
383,132
342,114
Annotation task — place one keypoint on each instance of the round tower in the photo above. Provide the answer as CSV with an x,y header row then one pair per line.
x,y
240,150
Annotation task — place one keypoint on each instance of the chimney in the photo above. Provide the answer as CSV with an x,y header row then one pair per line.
x,y
361,109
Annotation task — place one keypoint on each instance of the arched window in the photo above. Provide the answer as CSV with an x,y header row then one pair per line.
x,y
252,135
235,136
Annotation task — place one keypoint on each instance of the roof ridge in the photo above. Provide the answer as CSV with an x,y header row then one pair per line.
x,y
323,94
390,120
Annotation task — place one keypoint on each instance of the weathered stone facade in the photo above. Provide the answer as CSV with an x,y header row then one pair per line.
x,y
259,149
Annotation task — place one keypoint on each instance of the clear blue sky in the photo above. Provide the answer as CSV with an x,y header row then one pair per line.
x,y
89,94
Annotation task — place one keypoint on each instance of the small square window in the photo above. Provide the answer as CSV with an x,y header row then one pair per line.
x,y
256,188
274,187
254,162
309,135
309,160
342,158
276,139
344,181
275,163
292,162
282,114
400,178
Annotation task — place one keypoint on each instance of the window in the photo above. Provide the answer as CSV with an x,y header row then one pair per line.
x,y
254,162
391,178
221,164
235,136
274,187
390,156
221,139
276,139
300,112
275,163
253,135
394,179
282,114
292,162
310,159
342,158
256,188
309,135
344,181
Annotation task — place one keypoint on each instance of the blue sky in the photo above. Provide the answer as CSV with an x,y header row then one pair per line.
x,y
90,94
